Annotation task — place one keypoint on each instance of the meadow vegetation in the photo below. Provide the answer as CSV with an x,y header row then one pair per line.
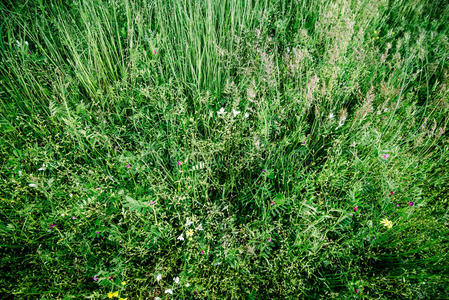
x,y
234,149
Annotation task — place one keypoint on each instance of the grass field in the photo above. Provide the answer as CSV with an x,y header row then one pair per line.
x,y
234,149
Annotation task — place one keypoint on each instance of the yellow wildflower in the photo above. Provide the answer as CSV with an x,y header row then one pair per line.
x,y
112,294
122,298
123,282
387,223
189,232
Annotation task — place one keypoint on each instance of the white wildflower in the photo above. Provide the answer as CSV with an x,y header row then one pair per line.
x,y
26,43
246,115
70,195
42,168
221,111
181,237
33,185
20,173
157,298
187,284
200,227
188,223
331,116
158,277
169,291
235,112
176,279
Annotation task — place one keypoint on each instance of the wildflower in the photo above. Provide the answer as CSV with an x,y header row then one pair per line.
x,y
269,240
246,115
154,51
387,223
176,280
235,112
123,282
95,278
263,170
187,284
391,193
386,156
152,202
221,111
331,116
397,205
73,218
122,298
411,203
356,208
128,166
374,237
188,223
97,232
157,298
114,294
356,290
179,163
202,252
52,225
189,232
158,277
70,195
169,291
20,173
272,203
33,185
181,237
199,227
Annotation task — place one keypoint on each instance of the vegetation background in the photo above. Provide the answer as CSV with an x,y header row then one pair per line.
x,y
238,149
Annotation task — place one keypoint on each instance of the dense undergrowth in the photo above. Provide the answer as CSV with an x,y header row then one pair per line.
x,y
224,149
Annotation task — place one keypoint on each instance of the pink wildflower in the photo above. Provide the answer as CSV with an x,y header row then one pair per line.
x,y
128,166
97,232
73,218
386,156
356,208
179,163
263,170
269,240
391,193
202,251
356,290
152,202
411,203
95,278
272,203
154,51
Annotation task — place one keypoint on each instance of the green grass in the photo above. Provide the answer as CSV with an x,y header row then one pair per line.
x,y
314,94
